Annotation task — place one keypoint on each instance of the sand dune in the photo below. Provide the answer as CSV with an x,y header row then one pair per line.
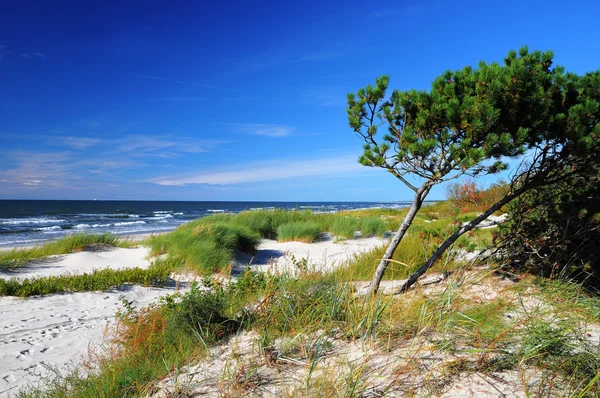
x,y
78,263
43,336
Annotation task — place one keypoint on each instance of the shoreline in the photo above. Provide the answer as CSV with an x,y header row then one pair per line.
x,y
129,237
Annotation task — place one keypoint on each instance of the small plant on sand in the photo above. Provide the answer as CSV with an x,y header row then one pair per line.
x,y
306,232
344,227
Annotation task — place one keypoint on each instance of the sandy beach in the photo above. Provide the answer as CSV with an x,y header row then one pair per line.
x,y
42,337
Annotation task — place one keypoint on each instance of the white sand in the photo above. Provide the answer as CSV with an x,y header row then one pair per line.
x,y
43,334
40,336
78,263
326,255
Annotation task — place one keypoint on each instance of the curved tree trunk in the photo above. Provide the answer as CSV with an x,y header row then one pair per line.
x,y
420,196
457,234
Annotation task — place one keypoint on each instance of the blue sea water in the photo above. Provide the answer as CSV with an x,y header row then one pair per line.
x,y
29,222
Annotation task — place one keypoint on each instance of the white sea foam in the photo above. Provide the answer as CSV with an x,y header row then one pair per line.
x,y
162,211
20,241
160,217
119,224
18,221
146,230
81,226
50,229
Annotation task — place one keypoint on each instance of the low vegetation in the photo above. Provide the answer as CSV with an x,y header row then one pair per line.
x,y
207,245
156,275
301,323
15,258
532,332
306,232
345,227
372,226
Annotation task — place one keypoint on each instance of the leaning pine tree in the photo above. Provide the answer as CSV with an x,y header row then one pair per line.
x,y
464,125
554,225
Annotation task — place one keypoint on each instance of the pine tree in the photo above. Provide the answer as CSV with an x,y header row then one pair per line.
x,y
468,123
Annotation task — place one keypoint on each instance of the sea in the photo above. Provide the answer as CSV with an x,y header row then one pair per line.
x,y
31,222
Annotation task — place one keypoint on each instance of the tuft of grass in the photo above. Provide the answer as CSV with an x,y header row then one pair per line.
x,y
307,232
16,258
412,252
206,245
372,226
156,275
266,222
344,227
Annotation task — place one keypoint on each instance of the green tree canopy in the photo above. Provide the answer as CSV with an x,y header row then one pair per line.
x,y
466,124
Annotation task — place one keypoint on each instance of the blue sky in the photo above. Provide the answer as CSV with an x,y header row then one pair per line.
x,y
186,100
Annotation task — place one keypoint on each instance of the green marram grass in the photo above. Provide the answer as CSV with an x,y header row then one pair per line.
x,y
344,227
154,343
266,222
307,232
372,226
98,280
206,245
416,247
15,258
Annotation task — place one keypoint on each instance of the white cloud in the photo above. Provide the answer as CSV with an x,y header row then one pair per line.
x,y
29,55
267,130
77,142
163,79
337,166
161,146
35,169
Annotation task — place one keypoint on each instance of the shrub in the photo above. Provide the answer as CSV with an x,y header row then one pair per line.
x,y
468,196
344,227
306,232
372,226
555,230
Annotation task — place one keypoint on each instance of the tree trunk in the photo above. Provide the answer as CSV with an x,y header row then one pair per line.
x,y
457,234
408,219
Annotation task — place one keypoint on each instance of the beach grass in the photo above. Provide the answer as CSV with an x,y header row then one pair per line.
x,y
17,257
344,227
414,249
372,226
98,280
299,321
306,232
206,245
534,329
